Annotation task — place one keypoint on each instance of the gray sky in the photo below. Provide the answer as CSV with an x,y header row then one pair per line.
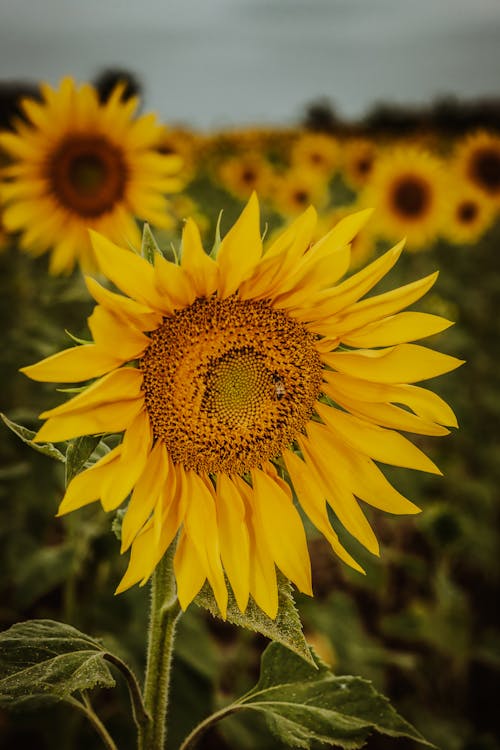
x,y
213,63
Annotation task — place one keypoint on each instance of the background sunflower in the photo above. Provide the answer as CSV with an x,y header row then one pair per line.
x,y
77,163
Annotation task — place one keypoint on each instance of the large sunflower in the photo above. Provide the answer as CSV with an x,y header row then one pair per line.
x,y
80,163
246,375
408,190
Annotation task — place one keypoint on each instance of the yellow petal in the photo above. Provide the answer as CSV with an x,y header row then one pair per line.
x,y
331,301
404,363
424,403
145,495
335,485
381,305
383,445
263,584
200,524
104,418
173,284
109,331
240,250
141,556
135,449
132,274
189,571
388,415
398,329
312,499
117,386
86,487
202,270
73,365
139,315
233,536
288,546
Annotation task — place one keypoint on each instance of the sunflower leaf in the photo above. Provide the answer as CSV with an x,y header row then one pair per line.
x,y
27,436
46,661
285,629
78,452
303,706
149,245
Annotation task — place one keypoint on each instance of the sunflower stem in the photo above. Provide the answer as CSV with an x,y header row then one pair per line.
x,y
164,613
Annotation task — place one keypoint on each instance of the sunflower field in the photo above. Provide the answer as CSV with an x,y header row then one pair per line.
x,y
219,379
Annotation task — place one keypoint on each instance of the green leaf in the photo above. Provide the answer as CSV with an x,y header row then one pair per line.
x,y
303,705
149,245
77,454
48,449
217,238
43,660
285,629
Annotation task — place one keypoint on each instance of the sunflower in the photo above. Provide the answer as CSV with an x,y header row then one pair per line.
x,y
358,161
243,174
80,163
317,152
408,190
296,189
470,214
228,381
477,161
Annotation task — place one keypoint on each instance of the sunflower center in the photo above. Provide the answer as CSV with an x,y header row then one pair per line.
x,y
229,383
411,197
364,165
486,169
87,175
467,212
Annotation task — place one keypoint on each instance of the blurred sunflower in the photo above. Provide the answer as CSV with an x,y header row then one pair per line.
x,y
468,216
408,190
243,174
235,390
477,161
81,163
184,145
295,189
316,152
358,160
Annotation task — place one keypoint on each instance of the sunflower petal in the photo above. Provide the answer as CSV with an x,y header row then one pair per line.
x,y
117,386
145,495
86,487
404,363
105,418
200,524
386,446
289,548
189,571
202,270
312,499
233,536
335,487
73,365
240,250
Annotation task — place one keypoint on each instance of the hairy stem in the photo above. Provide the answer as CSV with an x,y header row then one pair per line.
x,y
165,611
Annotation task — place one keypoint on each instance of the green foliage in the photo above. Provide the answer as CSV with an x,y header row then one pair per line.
x,y
285,629
27,436
149,245
304,704
43,661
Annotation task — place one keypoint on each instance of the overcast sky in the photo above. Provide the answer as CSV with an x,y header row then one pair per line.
x,y
213,63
